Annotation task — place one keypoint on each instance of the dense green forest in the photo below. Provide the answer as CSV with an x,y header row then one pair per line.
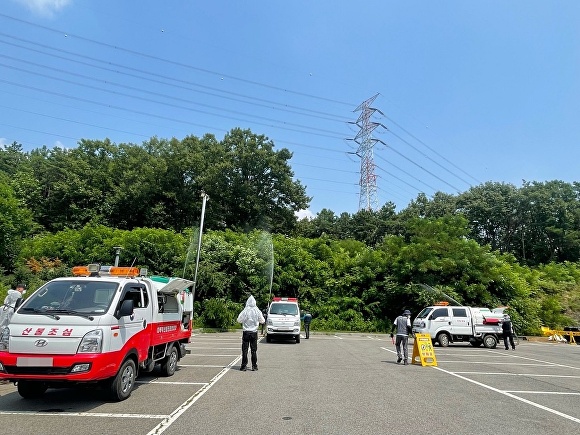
x,y
495,244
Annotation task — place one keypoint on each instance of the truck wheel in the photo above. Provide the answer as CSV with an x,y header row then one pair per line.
x,y
490,341
31,389
443,339
122,384
169,364
268,338
298,339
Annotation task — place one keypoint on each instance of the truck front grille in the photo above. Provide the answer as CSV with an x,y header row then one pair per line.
x,y
13,370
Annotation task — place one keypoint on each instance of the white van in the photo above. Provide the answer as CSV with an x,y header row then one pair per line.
x,y
283,319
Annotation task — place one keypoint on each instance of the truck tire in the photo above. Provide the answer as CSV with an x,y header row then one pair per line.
x,y
490,341
268,338
122,384
169,363
31,389
443,339
297,339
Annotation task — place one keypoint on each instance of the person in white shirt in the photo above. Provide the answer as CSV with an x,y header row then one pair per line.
x,y
250,318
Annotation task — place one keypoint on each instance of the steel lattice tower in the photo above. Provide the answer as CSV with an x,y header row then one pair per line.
x,y
368,179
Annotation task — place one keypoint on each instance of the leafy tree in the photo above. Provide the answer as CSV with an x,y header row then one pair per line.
x,y
552,227
11,158
251,184
15,223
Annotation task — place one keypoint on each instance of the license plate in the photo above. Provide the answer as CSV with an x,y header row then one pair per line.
x,y
34,362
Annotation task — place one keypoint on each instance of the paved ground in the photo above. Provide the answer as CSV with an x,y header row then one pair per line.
x,y
330,384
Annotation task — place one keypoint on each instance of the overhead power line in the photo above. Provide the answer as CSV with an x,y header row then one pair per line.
x,y
172,62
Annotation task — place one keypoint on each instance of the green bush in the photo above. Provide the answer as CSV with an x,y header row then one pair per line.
x,y
220,313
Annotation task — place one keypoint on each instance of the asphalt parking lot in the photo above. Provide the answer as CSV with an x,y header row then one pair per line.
x,y
329,384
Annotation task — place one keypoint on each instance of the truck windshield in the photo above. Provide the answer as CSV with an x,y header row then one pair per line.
x,y
86,297
282,308
424,313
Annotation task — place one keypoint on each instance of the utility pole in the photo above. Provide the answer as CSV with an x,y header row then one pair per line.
x,y
204,197
368,179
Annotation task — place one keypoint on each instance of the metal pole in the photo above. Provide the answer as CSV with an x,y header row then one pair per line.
x,y
271,272
204,197
117,253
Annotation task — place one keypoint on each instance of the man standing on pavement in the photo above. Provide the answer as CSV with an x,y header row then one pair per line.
x,y
508,333
250,318
307,320
403,325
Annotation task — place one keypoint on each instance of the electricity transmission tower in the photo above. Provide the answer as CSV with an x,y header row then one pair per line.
x,y
368,179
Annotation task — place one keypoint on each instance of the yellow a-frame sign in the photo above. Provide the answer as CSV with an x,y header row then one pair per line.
x,y
423,351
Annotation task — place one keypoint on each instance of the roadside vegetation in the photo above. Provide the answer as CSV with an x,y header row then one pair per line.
x,y
493,245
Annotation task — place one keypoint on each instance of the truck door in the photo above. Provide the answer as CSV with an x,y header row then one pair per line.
x,y
460,321
440,320
136,326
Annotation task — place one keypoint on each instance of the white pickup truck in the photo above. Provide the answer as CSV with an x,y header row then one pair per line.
x,y
450,324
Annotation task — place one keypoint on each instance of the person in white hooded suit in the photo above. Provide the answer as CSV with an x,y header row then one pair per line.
x,y
9,307
250,318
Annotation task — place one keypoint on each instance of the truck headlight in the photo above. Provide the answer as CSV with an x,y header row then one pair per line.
x,y
92,342
297,323
270,322
5,338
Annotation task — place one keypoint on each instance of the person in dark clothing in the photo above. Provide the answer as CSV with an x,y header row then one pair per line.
x,y
263,325
508,332
307,320
403,325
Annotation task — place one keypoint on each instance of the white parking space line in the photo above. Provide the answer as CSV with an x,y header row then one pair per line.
x,y
83,414
536,360
336,336
171,383
194,345
216,340
200,354
467,355
202,365
518,374
542,392
513,396
168,421
514,363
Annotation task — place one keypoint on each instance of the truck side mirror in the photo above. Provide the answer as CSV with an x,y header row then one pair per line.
x,y
18,303
126,309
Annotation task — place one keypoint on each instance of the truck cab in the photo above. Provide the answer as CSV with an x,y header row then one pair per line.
x,y
283,321
100,326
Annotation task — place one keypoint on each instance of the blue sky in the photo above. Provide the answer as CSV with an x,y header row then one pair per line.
x,y
469,92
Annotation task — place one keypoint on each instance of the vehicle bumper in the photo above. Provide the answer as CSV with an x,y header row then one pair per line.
x,y
59,368
283,331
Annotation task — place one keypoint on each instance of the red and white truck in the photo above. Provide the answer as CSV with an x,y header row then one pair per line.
x,y
450,324
101,326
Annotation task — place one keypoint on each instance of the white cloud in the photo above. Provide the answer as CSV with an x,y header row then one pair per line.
x,y
3,141
45,7
304,214
59,144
